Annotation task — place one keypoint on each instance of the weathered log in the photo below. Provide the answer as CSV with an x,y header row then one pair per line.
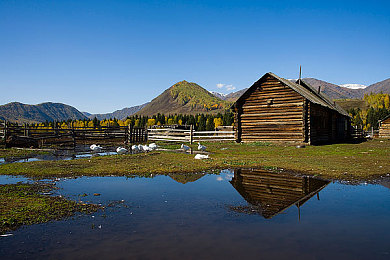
x,y
21,141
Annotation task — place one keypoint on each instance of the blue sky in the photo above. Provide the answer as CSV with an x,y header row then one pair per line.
x,y
100,56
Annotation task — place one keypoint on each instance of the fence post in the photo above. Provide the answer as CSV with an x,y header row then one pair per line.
x,y
146,133
5,132
191,133
25,129
130,133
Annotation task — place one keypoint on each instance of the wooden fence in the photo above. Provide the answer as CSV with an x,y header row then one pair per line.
x,y
37,136
71,135
189,135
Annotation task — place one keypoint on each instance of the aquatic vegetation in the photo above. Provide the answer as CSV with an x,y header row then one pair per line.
x,y
26,204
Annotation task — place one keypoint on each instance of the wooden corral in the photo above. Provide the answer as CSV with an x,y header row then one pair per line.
x,y
271,193
27,136
384,127
274,109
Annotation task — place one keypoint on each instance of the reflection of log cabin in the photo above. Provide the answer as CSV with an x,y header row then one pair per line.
x,y
270,193
384,127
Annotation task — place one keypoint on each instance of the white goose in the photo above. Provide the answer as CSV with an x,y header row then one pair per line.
x,y
146,148
201,156
153,146
201,147
121,150
95,148
135,148
185,147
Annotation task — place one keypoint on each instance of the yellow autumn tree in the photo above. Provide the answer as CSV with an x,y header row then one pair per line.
x,y
151,121
218,122
127,122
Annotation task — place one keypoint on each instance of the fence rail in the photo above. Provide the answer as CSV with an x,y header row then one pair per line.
x,y
183,135
36,136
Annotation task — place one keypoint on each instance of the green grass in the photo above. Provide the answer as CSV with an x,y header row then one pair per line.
x,y
23,204
339,161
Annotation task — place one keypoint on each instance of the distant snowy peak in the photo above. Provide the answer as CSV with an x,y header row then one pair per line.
x,y
218,95
353,86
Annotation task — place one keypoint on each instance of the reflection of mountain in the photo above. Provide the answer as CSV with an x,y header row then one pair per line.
x,y
186,177
270,193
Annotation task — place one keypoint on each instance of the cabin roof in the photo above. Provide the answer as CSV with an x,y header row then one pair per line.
x,y
386,117
323,96
305,90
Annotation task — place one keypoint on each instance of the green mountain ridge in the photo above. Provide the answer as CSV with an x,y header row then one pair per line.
x,y
185,98
24,113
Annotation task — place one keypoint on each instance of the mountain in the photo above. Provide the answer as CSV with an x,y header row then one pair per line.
x,y
19,112
382,86
118,114
184,98
218,95
351,91
87,114
232,97
334,91
344,91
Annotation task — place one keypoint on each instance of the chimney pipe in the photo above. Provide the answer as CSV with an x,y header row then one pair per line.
x,y
319,89
300,74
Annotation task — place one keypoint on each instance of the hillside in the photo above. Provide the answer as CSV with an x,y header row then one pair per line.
x,y
184,98
19,112
335,91
382,86
348,104
118,114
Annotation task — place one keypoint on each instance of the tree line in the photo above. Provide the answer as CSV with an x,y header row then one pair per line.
x,y
200,122
379,108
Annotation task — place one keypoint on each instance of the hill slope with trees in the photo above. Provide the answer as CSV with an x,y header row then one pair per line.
x,y
184,98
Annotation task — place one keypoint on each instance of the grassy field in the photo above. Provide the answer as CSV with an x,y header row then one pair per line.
x,y
23,204
364,160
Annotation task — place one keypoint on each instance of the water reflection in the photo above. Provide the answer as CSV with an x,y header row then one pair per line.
x,y
185,178
270,193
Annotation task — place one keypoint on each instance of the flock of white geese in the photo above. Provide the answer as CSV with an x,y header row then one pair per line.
x,y
147,148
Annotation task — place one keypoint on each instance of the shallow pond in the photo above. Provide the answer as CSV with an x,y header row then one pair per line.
x,y
239,214
57,156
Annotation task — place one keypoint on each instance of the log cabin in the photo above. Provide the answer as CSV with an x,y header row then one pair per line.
x,y
275,109
384,127
270,193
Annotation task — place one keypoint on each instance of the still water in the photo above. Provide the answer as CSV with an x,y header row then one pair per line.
x,y
240,214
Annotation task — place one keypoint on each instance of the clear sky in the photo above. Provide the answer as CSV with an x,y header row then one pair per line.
x,y
100,56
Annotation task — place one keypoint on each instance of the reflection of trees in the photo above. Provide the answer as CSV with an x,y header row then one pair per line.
x,y
270,193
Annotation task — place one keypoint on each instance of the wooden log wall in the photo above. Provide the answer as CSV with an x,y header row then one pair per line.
x,y
272,112
321,124
384,129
